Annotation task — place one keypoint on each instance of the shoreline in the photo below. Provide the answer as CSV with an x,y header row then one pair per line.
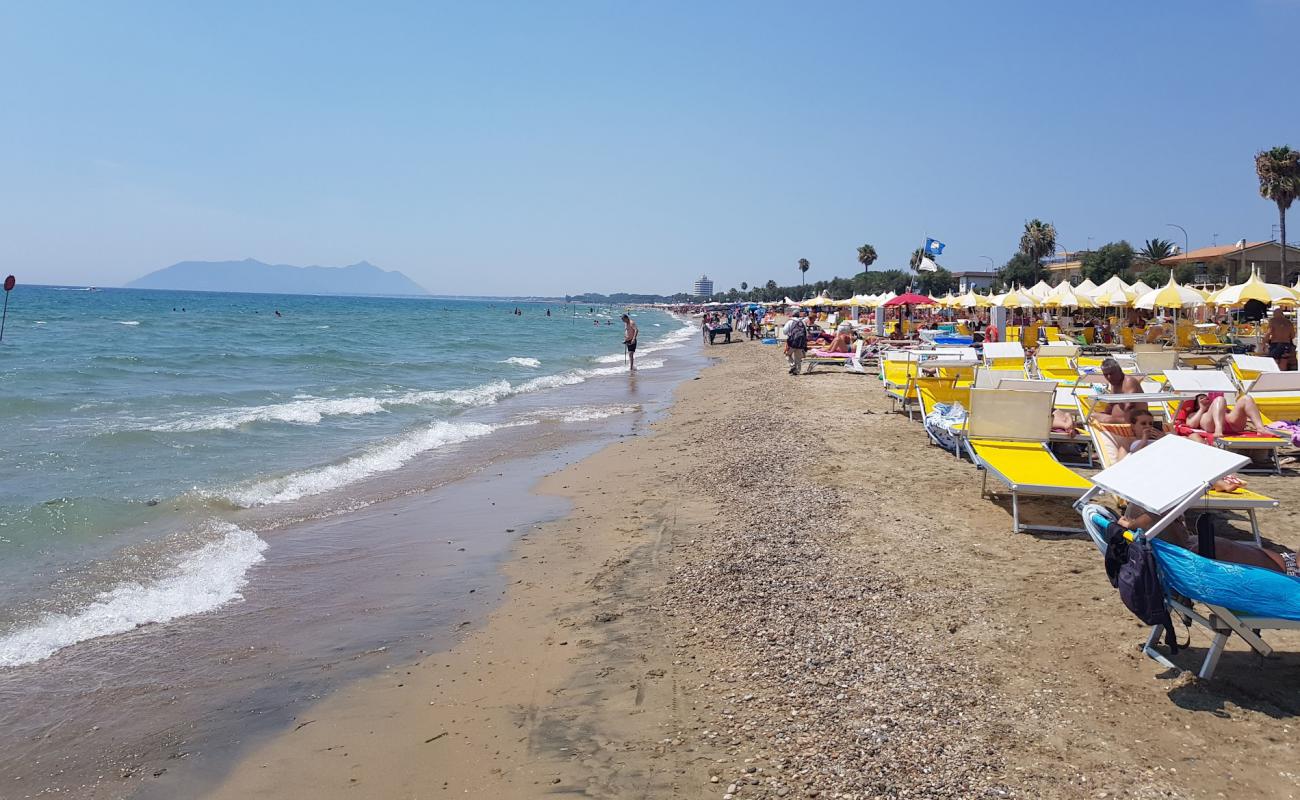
x,y
767,597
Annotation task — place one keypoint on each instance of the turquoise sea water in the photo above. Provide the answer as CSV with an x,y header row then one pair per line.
x,y
148,436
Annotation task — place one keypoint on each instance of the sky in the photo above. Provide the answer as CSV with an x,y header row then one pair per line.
x,y
571,146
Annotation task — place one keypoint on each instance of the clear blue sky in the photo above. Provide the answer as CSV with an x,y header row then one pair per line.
x,y
552,147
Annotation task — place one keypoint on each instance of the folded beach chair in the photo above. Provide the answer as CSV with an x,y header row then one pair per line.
x,y
1006,435
1168,478
989,378
1154,364
1245,369
1190,382
1107,440
1004,355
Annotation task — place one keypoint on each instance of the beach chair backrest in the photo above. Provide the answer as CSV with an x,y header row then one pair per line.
x,y
1199,380
1155,362
1277,383
1059,349
1004,350
1164,472
939,390
989,378
1010,415
1147,347
1252,366
1027,385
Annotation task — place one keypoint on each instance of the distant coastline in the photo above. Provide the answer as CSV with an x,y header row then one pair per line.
x,y
257,277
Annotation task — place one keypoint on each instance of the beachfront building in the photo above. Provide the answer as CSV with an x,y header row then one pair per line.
x,y
1070,271
703,287
972,280
1233,262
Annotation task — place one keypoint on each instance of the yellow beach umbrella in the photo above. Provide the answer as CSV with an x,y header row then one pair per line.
x,y
1139,288
1069,298
972,300
1039,290
1171,295
1255,289
1016,298
1087,288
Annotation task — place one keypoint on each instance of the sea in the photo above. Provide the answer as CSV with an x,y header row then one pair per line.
x,y
213,497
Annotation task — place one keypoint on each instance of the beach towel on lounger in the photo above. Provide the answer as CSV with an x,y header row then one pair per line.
x,y
945,423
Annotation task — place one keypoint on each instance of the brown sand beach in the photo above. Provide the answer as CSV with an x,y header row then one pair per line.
x,y
784,591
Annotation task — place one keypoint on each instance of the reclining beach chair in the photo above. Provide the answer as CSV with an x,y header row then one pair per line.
x,y
1278,395
989,378
897,369
1189,382
1168,478
1056,362
1105,445
1006,436
851,362
1245,369
1004,355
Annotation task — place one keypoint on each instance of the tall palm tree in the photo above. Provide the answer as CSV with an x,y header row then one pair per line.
x,y
803,272
1279,180
1039,239
866,256
1156,250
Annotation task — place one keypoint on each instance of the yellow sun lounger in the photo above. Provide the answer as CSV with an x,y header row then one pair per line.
x,y
1007,436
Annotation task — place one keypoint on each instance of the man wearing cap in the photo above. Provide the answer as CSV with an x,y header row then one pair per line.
x,y
796,341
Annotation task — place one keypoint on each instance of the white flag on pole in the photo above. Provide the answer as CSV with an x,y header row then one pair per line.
x,y
927,265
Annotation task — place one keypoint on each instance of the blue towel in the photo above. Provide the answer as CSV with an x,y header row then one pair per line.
x,y
1251,591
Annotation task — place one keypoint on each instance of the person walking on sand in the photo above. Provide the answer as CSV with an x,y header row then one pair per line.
x,y
796,341
629,341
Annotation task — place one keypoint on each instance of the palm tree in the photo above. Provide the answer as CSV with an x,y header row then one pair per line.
x,y
915,261
1279,180
803,271
1156,250
1039,240
866,256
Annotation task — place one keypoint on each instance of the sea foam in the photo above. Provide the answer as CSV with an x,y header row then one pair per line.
x,y
382,458
206,579
519,361
300,412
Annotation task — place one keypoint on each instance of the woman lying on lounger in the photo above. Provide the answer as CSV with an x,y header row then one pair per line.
x,y
1208,415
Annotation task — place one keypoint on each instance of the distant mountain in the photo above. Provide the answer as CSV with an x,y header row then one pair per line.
x,y
254,276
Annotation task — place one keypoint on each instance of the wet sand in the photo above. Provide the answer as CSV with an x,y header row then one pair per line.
x,y
785,591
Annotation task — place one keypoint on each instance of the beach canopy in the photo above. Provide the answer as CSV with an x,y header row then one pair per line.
x,y
1139,288
1069,298
910,299
819,300
1039,290
1171,295
1114,292
1017,298
972,300
1255,289
1086,288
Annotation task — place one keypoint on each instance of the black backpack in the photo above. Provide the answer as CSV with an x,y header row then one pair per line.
x,y
798,338
1131,567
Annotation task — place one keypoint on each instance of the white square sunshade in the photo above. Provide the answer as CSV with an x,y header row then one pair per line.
x,y
1165,471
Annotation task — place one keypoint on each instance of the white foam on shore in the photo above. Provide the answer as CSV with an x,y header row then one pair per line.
x,y
385,457
520,361
208,578
298,412
593,413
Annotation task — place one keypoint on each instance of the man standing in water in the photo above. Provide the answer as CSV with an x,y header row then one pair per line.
x,y
629,340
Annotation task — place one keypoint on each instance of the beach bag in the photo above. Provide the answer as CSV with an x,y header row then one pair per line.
x,y
1131,567
798,338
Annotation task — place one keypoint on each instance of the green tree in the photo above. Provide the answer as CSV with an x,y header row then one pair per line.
x,y
1155,277
1038,240
771,291
866,257
1021,269
1156,250
1113,258
803,271
936,283
915,260
1279,180
1185,273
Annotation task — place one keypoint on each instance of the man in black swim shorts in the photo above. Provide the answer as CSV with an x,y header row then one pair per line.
x,y
629,340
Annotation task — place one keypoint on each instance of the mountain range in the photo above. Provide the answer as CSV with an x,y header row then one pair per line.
x,y
251,275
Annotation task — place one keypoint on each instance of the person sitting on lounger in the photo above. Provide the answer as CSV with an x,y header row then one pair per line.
x,y
1119,383
1228,550
1146,430
843,340
1208,415
1063,422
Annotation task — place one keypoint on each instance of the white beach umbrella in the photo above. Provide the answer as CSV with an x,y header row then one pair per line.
x,y
1171,295
1016,298
1069,298
1139,288
1039,290
1087,287
1255,289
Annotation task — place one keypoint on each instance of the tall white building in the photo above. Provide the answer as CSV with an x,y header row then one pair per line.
x,y
703,287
